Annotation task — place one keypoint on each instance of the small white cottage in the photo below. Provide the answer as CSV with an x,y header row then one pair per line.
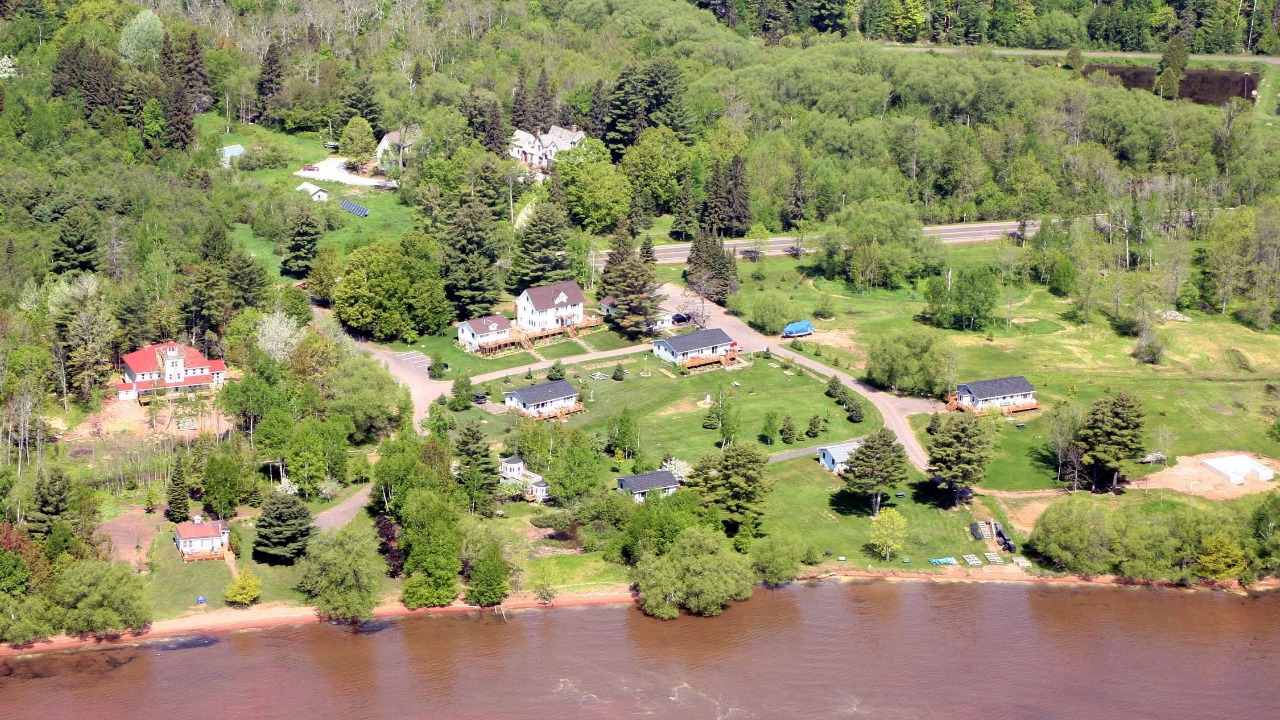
x,y
697,348
200,537
833,457
315,192
474,333
658,482
544,400
1007,393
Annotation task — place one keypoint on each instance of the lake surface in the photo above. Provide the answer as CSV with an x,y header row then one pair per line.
x,y
875,650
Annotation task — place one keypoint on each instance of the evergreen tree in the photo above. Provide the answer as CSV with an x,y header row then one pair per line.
x,y
556,371
489,581
628,111
827,15
960,452
76,248
620,250
876,467
215,242
684,222
598,112
208,298
167,63
179,492
495,138
302,241
542,111
179,127
773,20
520,103
50,502
247,279
1112,432
715,213
477,467
795,204
635,293
284,528
734,481
324,274
815,427
788,432
739,217
359,100
647,254
195,74
271,74
835,388
542,249
471,282
1172,63
853,408
357,143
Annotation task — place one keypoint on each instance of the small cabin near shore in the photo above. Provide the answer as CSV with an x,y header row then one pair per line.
x,y
546,400
202,539
1006,395
658,483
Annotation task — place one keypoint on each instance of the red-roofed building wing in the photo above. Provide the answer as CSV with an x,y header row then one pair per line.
x,y
168,365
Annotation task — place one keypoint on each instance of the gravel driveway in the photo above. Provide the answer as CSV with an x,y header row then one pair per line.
x,y
334,169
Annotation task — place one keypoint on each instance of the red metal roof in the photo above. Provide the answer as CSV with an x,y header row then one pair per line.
x,y
198,530
188,381
147,359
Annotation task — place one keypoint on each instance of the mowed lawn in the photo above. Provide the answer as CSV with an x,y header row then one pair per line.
x,y
670,418
806,504
172,586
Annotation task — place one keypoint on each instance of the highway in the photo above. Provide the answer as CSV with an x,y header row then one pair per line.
x,y
949,235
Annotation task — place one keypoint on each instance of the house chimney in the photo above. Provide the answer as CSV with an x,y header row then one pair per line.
x,y
197,519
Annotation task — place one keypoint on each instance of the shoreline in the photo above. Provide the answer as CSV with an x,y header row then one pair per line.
x,y
261,617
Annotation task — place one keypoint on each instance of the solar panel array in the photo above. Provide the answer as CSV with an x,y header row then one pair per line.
x,y
355,208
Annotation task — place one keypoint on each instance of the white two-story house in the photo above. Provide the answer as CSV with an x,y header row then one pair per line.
x,y
557,305
482,331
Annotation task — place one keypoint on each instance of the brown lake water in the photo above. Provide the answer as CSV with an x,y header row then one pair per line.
x,y
874,650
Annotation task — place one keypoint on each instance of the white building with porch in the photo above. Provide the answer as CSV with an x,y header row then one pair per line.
x,y
558,305
201,537
482,331
544,400
168,366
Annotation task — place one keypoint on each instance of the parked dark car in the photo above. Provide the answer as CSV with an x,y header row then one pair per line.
x,y
752,255
479,398
331,145
679,318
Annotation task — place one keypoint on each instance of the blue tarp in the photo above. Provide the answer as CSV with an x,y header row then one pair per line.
x,y
803,327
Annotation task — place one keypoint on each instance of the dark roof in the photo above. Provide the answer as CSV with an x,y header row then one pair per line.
x,y
544,392
984,389
511,461
608,301
544,297
488,324
697,340
644,482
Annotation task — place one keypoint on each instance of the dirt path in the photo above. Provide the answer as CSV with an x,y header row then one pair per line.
x,y
339,515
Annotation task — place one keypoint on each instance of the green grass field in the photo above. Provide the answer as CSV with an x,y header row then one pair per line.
x,y
575,572
806,504
172,585
564,348
279,582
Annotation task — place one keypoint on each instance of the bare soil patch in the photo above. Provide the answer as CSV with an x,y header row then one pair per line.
x,y
1023,320
837,339
680,407
131,533
1193,477
1023,516
129,417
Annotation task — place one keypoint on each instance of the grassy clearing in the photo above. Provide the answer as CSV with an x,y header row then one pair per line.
x,y
560,350
172,585
575,573
279,582
607,339
461,362
806,504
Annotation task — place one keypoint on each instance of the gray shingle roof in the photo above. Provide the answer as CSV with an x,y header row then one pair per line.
x,y
488,324
697,340
999,387
840,453
544,297
644,482
544,392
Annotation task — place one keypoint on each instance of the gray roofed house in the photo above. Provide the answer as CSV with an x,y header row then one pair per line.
x,y
661,481
544,400
484,333
488,324
1007,393
696,348
833,457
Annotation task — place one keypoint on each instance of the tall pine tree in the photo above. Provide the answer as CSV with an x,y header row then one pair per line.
x,y
620,250
541,252
478,468
305,229
684,223
739,198
270,75
195,74
542,111
179,492
283,529
635,294
51,500
520,103
76,248
598,112
471,281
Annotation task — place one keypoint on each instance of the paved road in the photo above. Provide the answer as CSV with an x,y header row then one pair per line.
x,y
956,234
1091,54
339,515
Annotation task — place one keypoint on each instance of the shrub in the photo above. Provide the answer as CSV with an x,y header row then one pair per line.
x,y
244,590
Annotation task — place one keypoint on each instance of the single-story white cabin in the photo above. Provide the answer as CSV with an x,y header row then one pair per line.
x,y
1009,394
200,537
833,457
544,400
697,348
662,482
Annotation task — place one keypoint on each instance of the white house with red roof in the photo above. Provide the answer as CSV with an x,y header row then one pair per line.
x,y
483,330
168,366
201,537
550,306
